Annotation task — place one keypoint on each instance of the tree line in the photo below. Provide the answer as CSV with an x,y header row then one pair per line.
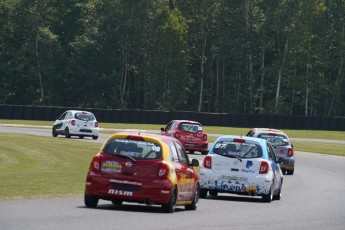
x,y
239,56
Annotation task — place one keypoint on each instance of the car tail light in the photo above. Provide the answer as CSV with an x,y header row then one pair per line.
x,y
163,171
239,140
135,138
208,162
73,122
290,152
204,137
95,164
96,124
263,167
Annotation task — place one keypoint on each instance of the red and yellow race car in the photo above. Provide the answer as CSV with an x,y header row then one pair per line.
x,y
143,168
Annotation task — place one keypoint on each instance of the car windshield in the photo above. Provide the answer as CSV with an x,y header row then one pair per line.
x,y
136,149
84,116
191,127
229,148
275,139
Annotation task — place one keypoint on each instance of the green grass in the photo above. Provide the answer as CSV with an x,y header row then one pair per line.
x,y
37,167
317,147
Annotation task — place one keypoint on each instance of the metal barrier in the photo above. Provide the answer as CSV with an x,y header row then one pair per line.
x,y
48,113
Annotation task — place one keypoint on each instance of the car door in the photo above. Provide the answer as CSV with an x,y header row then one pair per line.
x,y
275,166
59,123
185,173
169,129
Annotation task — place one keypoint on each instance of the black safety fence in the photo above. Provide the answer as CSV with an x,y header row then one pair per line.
x,y
51,113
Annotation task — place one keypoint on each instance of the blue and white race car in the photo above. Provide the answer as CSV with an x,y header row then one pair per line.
x,y
243,166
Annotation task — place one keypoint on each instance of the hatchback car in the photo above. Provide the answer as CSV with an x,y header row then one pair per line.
x,y
76,123
143,168
281,144
243,166
190,133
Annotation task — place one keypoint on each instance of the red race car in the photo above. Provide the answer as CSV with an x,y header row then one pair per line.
x,y
143,168
190,133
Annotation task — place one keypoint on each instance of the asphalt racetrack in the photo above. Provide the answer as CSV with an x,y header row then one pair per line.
x,y
312,198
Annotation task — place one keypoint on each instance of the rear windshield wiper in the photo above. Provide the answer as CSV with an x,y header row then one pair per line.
x,y
125,156
232,156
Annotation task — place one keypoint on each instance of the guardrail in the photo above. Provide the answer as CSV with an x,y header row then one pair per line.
x,y
51,113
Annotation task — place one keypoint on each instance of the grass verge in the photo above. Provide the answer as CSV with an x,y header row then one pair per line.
x,y
37,167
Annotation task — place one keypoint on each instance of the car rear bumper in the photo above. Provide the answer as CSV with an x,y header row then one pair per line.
x,y
200,146
287,164
84,132
152,192
253,185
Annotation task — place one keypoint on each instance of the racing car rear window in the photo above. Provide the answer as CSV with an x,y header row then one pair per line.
x,y
235,149
136,149
84,116
191,127
275,139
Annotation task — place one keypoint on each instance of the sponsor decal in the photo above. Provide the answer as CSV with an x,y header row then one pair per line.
x,y
125,182
111,166
248,171
165,191
120,192
249,164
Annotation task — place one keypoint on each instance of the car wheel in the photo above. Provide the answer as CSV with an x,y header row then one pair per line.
x,y
170,206
54,133
213,193
204,152
95,137
203,193
117,202
191,152
268,197
67,134
194,203
90,201
81,137
290,172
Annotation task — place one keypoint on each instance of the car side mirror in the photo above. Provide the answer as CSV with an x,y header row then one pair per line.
x,y
162,129
291,145
195,163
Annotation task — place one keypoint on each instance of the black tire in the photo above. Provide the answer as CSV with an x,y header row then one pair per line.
x,y
213,193
191,152
81,137
95,137
204,152
54,133
290,172
194,203
203,193
67,134
268,197
171,205
91,201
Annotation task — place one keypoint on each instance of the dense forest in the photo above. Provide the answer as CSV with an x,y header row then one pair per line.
x,y
222,56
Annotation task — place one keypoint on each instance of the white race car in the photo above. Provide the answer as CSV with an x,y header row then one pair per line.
x,y
76,123
243,166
